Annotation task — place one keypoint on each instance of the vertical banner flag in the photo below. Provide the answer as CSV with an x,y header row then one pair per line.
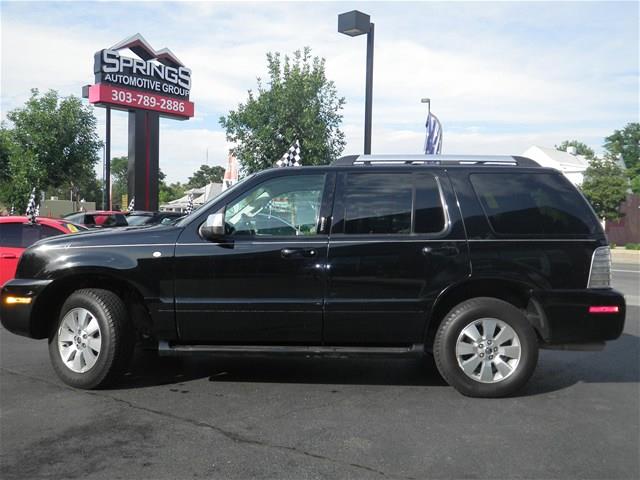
x,y
132,204
189,205
292,157
231,173
433,140
31,207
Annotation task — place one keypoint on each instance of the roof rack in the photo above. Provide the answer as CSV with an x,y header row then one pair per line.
x,y
503,160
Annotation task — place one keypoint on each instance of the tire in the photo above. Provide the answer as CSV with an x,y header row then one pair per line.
x,y
493,364
94,335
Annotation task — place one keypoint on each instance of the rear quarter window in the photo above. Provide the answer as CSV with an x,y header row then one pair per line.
x,y
533,204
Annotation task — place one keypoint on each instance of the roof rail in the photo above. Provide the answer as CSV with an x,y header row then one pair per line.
x,y
505,160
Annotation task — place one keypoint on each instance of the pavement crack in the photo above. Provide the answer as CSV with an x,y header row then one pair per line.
x,y
233,436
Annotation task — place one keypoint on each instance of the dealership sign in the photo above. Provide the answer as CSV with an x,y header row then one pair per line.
x,y
155,81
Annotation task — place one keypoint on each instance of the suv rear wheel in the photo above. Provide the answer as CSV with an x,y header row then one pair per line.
x,y
92,342
485,347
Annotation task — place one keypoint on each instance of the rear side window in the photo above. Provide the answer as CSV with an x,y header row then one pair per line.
x,y
400,203
11,235
376,203
532,204
22,235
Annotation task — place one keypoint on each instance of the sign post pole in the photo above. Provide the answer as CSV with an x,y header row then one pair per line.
x,y
106,198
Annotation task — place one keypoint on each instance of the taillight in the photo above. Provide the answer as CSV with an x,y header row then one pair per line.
x,y
600,273
604,309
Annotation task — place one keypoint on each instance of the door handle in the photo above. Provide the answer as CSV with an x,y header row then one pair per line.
x,y
8,256
446,251
297,252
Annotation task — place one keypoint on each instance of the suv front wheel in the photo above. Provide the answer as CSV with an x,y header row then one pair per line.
x,y
485,347
91,344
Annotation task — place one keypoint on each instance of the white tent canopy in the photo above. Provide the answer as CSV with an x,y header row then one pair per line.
x,y
200,196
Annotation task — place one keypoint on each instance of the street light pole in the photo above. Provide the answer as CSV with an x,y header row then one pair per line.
x,y
356,23
368,92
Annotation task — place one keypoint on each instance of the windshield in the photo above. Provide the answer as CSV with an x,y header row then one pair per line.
x,y
184,220
75,217
138,219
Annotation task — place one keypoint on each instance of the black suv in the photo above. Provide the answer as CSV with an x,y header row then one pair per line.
x,y
478,260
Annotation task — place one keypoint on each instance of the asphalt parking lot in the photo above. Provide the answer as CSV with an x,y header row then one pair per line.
x,y
579,417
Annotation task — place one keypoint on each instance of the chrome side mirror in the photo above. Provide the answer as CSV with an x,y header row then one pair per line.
x,y
213,228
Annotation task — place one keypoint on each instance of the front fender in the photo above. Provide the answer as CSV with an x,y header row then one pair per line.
x,y
148,269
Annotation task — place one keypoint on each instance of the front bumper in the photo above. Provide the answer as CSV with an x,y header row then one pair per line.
x,y
18,318
563,316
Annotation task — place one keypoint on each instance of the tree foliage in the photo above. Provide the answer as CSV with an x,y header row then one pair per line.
x,y
298,102
168,192
205,175
581,148
625,143
50,144
605,185
119,179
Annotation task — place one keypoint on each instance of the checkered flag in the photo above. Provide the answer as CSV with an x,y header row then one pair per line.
x,y
292,157
189,204
132,204
32,212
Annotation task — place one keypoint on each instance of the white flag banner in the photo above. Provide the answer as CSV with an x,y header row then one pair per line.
x,y
433,140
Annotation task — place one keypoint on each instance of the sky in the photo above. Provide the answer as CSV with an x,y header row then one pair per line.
x,y
502,76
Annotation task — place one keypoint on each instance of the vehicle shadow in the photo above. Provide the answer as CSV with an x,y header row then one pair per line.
x,y
617,363
148,370
557,370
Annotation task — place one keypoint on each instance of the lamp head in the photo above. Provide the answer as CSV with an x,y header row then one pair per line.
x,y
354,23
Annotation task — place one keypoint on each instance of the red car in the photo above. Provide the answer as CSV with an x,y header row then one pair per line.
x,y
16,234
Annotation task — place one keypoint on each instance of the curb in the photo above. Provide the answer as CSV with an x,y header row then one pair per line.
x,y
623,255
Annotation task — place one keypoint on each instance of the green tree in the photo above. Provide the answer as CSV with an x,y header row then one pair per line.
x,y
625,143
205,175
299,102
171,191
119,166
50,143
605,185
581,148
119,176
7,146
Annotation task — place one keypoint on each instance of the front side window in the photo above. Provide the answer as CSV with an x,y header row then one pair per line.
x,y
533,204
285,206
46,231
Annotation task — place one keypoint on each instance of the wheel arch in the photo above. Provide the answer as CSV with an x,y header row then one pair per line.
x,y
513,292
47,308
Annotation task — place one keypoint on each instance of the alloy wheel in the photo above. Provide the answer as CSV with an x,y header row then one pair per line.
x,y
488,350
79,340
